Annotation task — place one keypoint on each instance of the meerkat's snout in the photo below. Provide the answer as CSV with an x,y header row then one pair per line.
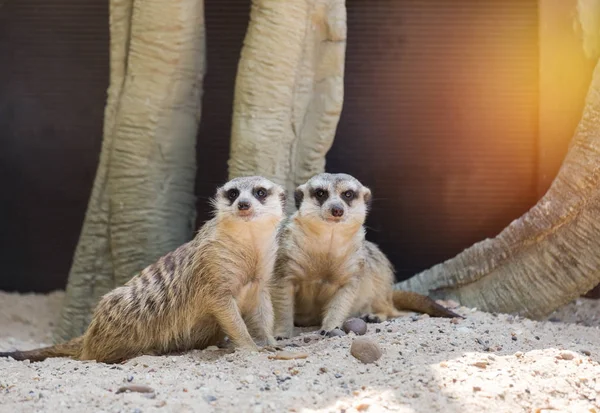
x,y
335,211
244,207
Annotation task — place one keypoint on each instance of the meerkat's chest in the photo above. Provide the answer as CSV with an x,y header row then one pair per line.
x,y
256,266
253,248
322,264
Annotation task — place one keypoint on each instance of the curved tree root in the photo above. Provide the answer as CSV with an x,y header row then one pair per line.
x,y
547,257
289,90
142,203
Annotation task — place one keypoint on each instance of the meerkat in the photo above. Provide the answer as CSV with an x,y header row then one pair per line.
x,y
214,286
326,271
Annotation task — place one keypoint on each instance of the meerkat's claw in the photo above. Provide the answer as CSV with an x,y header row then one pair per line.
x,y
371,318
269,349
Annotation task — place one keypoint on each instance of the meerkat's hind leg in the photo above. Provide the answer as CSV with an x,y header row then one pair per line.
x,y
382,310
376,318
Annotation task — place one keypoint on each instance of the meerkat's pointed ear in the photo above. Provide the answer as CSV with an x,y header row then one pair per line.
x,y
368,197
299,196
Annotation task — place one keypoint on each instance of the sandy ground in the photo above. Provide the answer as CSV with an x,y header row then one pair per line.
x,y
494,363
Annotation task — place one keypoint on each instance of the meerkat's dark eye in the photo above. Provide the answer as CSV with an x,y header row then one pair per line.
x,y
232,194
260,193
349,194
319,193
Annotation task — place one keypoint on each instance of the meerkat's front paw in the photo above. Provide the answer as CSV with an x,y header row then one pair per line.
x,y
252,348
283,335
270,349
336,332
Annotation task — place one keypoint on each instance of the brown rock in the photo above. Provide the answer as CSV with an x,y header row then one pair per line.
x,y
365,350
356,325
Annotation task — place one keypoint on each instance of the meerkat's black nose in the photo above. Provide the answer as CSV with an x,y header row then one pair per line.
x,y
337,211
243,205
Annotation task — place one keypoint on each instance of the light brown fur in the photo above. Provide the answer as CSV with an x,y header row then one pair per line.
x,y
326,271
211,287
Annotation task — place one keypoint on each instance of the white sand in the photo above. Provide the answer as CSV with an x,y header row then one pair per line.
x,y
427,366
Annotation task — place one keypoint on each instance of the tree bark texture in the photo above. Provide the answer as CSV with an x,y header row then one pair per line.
x,y
289,89
142,203
547,257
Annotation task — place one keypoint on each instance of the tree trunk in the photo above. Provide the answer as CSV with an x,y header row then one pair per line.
x,y
142,203
289,89
547,257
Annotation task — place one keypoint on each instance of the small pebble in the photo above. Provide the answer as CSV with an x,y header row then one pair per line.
x,y
365,350
363,407
586,352
130,379
210,398
355,325
565,356
288,355
307,339
481,364
138,388
336,332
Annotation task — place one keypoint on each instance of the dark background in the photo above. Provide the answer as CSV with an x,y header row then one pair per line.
x,y
440,119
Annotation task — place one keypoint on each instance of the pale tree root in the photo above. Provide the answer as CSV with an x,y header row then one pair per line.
x,y
289,90
547,257
142,203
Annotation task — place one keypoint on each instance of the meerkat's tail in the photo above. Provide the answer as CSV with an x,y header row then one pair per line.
x,y
71,348
408,300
